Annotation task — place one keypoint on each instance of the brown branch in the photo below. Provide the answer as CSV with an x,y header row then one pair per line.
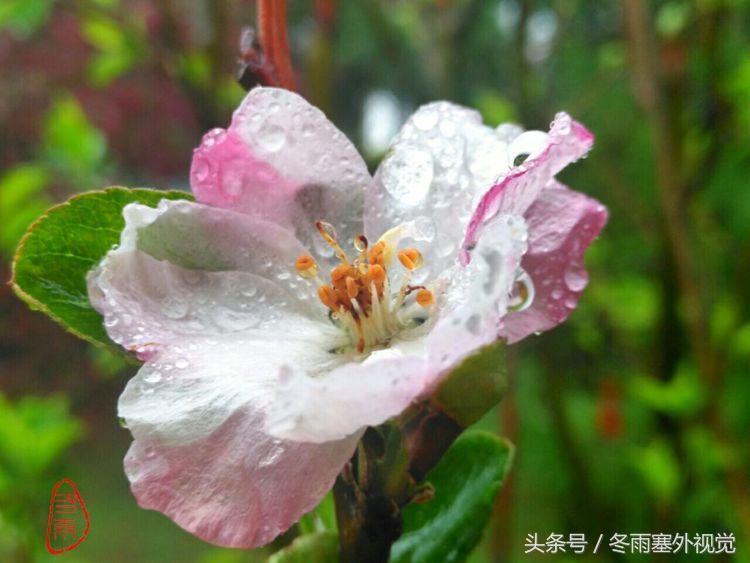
x,y
274,40
647,83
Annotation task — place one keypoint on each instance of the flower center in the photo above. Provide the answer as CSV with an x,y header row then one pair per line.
x,y
359,294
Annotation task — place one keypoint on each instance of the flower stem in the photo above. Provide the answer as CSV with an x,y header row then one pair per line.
x,y
275,42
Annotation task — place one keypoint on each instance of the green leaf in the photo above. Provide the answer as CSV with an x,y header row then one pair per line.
x,y
22,17
682,396
118,48
58,250
660,469
322,547
475,386
466,481
321,519
34,432
70,142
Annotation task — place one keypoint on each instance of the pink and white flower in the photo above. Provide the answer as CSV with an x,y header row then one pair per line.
x,y
299,299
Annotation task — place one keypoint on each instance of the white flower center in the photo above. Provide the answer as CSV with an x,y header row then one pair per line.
x,y
359,295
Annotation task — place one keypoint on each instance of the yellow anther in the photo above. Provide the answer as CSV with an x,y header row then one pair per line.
x,y
352,288
328,296
340,272
375,254
410,258
376,273
424,297
306,266
328,233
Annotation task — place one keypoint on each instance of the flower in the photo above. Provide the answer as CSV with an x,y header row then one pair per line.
x,y
300,300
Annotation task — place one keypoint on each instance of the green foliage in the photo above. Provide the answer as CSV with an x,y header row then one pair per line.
x,y
50,267
683,395
24,17
22,199
119,48
34,433
466,481
321,547
322,519
659,469
70,143
474,386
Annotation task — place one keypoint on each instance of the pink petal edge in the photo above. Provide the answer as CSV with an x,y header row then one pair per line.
x,y
569,141
217,491
562,224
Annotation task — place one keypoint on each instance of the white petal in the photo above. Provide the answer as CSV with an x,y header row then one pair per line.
x,y
355,395
186,269
439,164
477,298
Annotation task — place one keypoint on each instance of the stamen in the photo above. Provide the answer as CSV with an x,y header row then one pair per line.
x,y
410,258
328,233
424,297
359,295
328,296
306,266
352,289
376,274
376,254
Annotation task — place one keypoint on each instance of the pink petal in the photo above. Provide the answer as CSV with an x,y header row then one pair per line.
x,y
238,487
200,454
281,159
562,224
568,141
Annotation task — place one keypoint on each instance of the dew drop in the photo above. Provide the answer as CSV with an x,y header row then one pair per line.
x,y
152,377
201,169
272,137
522,295
174,307
407,174
576,278
527,146
425,119
181,363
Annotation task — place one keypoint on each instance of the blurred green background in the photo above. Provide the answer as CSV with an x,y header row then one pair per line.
x,y
631,417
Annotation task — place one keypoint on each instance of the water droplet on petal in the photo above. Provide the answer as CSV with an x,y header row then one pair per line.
x,y
181,363
272,137
522,294
152,376
531,144
174,307
425,119
576,277
407,174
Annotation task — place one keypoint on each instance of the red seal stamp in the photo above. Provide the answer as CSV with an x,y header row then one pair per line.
x,y
68,522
